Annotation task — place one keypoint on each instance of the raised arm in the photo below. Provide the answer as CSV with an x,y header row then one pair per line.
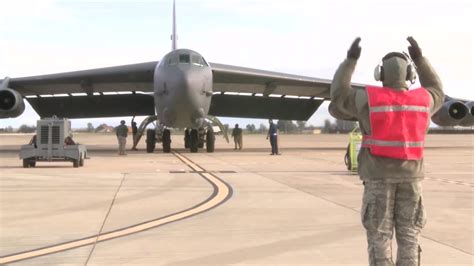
x,y
428,77
342,104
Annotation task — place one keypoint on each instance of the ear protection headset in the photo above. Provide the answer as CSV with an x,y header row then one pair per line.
x,y
411,71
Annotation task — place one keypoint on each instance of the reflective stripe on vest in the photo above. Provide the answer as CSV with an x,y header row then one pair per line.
x,y
398,120
398,108
385,143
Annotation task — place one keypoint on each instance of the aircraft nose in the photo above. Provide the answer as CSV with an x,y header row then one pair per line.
x,y
179,87
186,93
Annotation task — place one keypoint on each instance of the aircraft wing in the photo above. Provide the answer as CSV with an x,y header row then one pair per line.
x,y
253,93
127,90
102,92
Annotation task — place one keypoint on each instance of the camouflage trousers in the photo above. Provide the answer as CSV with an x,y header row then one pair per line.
x,y
122,141
238,142
386,207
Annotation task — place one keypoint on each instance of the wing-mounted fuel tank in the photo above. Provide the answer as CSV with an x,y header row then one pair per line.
x,y
11,101
453,113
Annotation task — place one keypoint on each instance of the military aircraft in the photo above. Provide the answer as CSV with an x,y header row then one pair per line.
x,y
182,90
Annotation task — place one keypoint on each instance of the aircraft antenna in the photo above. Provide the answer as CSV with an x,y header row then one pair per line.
x,y
174,37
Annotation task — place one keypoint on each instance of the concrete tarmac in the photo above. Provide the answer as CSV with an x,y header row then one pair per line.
x,y
228,207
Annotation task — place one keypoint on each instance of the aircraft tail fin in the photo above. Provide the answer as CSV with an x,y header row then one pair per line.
x,y
174,37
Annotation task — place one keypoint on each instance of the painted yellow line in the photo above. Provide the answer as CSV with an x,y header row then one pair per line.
x,y
191,164
222,192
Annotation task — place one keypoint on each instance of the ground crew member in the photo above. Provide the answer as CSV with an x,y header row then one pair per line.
x,y
237,135
69,141
134,134
273,135
393,121
33,141
122,132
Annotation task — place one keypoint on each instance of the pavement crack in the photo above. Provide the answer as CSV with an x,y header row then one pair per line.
x,y
105,219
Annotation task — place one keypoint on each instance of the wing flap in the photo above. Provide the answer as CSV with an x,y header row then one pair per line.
x,y
263,107
94,106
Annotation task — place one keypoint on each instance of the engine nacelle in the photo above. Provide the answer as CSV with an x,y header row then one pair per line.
x,y
468,121
11,103
451,113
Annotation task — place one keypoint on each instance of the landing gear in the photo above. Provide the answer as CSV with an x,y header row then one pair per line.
x,y
210,140
81,160
142,129
159,134
27,163
196,138
166,141
202,137
150,140
187,139
193,140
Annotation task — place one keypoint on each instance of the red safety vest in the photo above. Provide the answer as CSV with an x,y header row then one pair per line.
x,y
398,120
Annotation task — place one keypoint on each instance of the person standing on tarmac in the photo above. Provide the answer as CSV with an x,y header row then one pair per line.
x,y
134,133
273,135
122,132
394,122
237,135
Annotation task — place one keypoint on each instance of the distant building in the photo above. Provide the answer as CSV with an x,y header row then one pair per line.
x,y
104,128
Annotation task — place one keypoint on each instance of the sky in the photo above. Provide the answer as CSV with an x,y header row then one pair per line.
x,y
308,38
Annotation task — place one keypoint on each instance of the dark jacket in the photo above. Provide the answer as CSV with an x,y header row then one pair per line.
x,y
121,131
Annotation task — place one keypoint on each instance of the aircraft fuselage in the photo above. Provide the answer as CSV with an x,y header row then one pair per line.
x,y
182,89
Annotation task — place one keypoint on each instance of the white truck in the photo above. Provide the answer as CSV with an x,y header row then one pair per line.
x,y
53,142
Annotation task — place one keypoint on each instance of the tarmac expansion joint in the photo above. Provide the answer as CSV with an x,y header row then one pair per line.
x,y
221,193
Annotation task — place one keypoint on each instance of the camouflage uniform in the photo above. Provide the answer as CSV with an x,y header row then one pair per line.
x,y
389,205
237,135
392,194
122,133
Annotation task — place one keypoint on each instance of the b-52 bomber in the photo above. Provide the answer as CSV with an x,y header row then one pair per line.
x,y
182,90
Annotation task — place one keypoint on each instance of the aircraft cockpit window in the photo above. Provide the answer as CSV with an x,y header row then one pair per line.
x,y
197,60
184,59
172,60
204,61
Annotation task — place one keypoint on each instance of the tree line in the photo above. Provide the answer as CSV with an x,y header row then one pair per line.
x,y
285,126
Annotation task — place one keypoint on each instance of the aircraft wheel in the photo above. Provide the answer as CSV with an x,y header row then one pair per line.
x,y
75,163
81,161
150,140
194,140
210,140
166,141
32,163
187,141
26,163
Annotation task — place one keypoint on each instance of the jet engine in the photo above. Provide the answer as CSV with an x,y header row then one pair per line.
x,y
451,113
11,103
468,121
